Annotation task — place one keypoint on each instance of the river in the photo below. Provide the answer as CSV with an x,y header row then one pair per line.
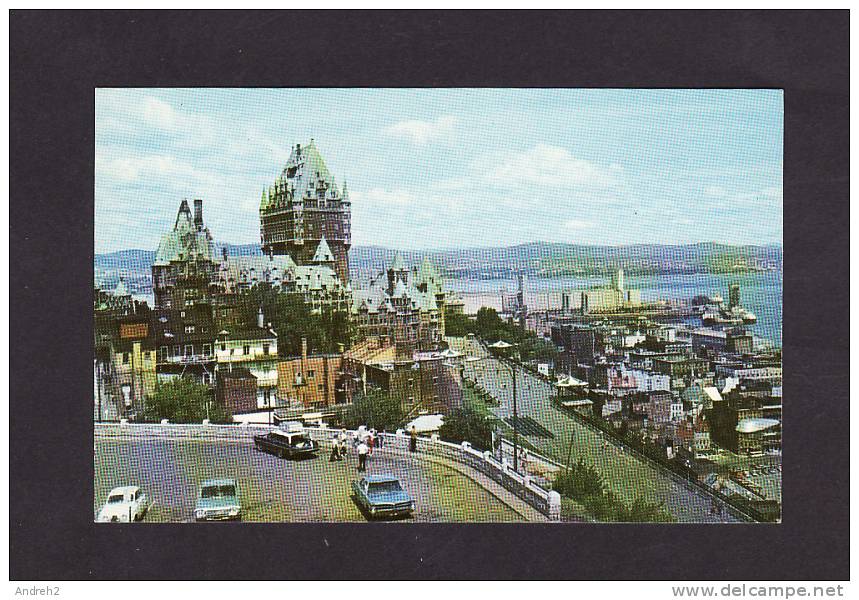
x,y
760,292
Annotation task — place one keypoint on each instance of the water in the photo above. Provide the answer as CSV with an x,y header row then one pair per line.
x,y
759,292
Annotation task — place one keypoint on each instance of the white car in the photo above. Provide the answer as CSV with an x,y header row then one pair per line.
x,y
124,505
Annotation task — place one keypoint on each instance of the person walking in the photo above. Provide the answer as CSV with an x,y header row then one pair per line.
x,y
413,439
363,449
371,441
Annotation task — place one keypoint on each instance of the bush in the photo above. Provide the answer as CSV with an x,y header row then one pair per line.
x,y
467,425
182,400
579,482
377,410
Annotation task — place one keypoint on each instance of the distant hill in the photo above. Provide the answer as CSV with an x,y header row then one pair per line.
x,y
538,259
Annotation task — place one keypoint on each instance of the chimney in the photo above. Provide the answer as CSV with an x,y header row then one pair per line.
x,y
198,213
304,349
260,319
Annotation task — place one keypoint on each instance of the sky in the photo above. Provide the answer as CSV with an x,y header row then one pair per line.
x,y
450,168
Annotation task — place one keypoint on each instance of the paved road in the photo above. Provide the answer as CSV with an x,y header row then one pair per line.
x,y
277,490
628,475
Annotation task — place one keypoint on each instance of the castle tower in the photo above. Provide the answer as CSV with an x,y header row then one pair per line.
x,y
397,272
186,262
304,206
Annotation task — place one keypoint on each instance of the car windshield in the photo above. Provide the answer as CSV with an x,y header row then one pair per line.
x,y
383,487
115,499
299,440
218,491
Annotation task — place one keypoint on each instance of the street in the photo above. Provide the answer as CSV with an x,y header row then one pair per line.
x,y
169,469
627,475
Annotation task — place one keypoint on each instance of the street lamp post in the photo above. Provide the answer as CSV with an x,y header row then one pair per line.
x,y
499,346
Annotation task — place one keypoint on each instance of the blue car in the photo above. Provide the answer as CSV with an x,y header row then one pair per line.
x,y
218,500
382,496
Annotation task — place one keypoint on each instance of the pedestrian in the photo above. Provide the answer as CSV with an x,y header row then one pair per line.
x,y
413,442
335,451
362,456
370,443
381,441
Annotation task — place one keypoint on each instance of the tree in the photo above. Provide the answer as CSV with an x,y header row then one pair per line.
x,y
292,319
467,425
376,409
579,482
182,400
642,511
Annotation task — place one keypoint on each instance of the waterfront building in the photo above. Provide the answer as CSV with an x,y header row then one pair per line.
x,y
304,206
610,298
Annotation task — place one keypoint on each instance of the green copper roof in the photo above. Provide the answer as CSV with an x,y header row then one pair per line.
x,y
304,176
397,264
185,241
323,253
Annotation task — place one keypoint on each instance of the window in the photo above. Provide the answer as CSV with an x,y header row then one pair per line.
x,y
223,347
207,349
310,374
162,353
182,314
265,349
246,350
189,329
177,350
189,350
321,387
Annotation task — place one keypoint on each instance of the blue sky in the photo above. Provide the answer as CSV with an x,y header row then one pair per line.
x,y
443,168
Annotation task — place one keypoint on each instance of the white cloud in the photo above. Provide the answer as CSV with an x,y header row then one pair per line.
x,y
547,165
578,224
153,168
377,196
158,113
421,132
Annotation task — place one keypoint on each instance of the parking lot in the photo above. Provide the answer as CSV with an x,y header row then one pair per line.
x,y
277,490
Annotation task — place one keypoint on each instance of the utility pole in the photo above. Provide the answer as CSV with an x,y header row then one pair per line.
x,y
98,385
515,424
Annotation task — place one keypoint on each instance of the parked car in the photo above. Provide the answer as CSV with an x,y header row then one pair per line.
x,y
382,496
286,444
218,500
124,505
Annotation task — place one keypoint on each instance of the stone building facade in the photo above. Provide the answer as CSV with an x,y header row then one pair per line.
x,y
304,206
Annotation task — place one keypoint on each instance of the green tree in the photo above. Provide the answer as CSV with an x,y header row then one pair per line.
x,y
467,425
642,511
182,400
292,319
376,409
579,482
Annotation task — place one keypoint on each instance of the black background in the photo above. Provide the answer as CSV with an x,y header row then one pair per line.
x,y
58,58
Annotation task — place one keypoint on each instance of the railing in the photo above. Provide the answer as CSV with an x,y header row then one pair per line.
x,y
544,501
547,502
187,358
742,512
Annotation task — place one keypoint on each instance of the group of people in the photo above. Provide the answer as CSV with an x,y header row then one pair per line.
x,y
364,443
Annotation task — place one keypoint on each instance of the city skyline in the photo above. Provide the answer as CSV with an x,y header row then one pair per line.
x,y
569,166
